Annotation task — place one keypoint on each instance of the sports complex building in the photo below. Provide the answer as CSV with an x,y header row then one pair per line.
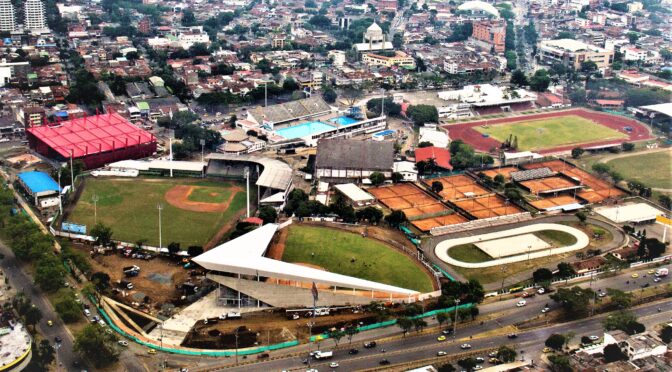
x,y
248,279
96,140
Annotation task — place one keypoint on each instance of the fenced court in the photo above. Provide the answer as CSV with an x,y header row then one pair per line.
x,y
504,171
548,184
487,206
432,222
553,202
457,187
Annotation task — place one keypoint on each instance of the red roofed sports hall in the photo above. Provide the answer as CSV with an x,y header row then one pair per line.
x,y
96,140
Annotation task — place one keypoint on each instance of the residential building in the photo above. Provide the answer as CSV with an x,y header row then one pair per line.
x,y
32,116
400,59
635,7
35,19
573,52
7,16
12,70
639,346
489,35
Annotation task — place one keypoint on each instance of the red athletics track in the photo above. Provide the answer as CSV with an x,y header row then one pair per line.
x,y
466,133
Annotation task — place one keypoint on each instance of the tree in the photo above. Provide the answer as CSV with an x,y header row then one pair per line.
x,y
555,341
624,320
627,146
374,106
518,78
621,299
268,214
397,177
441,318
396,218
666,334
351,95
100,280
66,307
506,354
613,353
437,187
573,300
351,332
577,152
329,95
467,363
194,250
559,363
173,248
644,96
290,85
419,324
102,234
582,217
377,178
336,335
665,200
405,324
46,353
542,275
540,81
588,67
96,345
421,114
49,273
654,247
447,368
32,316
188,18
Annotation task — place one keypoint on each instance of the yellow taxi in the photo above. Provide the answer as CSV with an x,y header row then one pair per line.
x,y
151,351
441,338
651,272
635,275
547,350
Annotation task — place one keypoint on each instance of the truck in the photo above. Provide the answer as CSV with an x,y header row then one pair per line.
x,y
131,271
320,311
124,284
662,272
321,355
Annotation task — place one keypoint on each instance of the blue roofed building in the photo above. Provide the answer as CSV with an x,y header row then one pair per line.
x,y
41,188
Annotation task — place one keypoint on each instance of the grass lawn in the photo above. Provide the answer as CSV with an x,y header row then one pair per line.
x,y
468,253
653,170
334,250
556,238
551,132
129,208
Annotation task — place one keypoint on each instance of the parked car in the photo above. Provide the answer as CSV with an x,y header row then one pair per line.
x,y
123,342
370,344
353,351
441,353
384,362
512,335
465,346
521,303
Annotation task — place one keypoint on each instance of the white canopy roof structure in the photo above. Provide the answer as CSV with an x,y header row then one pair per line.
x,y
479,5
244,255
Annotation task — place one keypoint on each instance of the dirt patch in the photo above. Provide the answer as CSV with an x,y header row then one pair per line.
x,y
277,248
178,196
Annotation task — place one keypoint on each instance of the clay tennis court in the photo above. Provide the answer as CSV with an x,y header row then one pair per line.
x,y
548,184
430,223
178,196
487,206
597,190
467,133
408,198
457,187
552,202
504,171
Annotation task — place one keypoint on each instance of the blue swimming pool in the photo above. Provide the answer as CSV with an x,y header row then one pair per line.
x,y
303,129
343,120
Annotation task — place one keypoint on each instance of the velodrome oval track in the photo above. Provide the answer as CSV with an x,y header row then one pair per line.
x,y
442,248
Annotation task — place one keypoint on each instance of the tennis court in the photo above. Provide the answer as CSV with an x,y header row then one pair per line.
x,y
549,184
487,206
458,187
553,202
430,223
408,198
505,171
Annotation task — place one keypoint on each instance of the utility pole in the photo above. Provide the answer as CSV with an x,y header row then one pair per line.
x,y
236,334
170,158
247,180
457,303
95,199
60,193
159,206
72,172
202,157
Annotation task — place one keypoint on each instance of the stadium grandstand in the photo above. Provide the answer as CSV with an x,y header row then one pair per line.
x,y
270,116
272,177
40,187
95,140
485,99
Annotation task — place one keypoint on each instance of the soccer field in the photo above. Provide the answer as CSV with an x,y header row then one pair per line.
x,y
551,132
350,254
653,170
194,211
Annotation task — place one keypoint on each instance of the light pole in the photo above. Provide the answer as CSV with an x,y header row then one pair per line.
x,y
95,199
159,206
202,157
60,194
457,303
529,247
236,334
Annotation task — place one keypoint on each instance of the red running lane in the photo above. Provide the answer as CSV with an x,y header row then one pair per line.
x,y
468,134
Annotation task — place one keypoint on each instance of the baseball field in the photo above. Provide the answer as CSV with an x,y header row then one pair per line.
x,y
351,254
551,132
651,169
195,212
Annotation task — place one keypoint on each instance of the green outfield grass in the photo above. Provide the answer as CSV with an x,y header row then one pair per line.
x,y
129,208
552,132
334,250
468,253
653,170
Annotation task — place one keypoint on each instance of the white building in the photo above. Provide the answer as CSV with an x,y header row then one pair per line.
x,y
8,71
35,20
7,16
431,133
406,169
639,346
373,39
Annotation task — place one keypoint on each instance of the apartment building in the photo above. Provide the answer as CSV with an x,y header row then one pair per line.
x,y
573,52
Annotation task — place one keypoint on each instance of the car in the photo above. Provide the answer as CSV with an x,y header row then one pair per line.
x,y
102,323
541,290
447,332
593,338
479,360
384,362
58,340
521,303
602,294
547,350
87,313
50,323
441,338
441,353
333,365
493,354
478,367
635,275
650,272
546,309
465,346
370,345
305,361
353,351
493,360
123,342
512,335
645,285
656,280
151,351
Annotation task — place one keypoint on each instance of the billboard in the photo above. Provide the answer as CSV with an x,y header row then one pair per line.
x,y
73,228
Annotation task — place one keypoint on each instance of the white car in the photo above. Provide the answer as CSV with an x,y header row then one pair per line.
x,y
441,353
545,310
465,346
602,294
541,290
521,303
656,280
102,323
123,342
593,338
333,365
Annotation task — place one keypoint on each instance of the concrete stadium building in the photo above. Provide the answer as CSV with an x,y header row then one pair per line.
x,y
248,279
